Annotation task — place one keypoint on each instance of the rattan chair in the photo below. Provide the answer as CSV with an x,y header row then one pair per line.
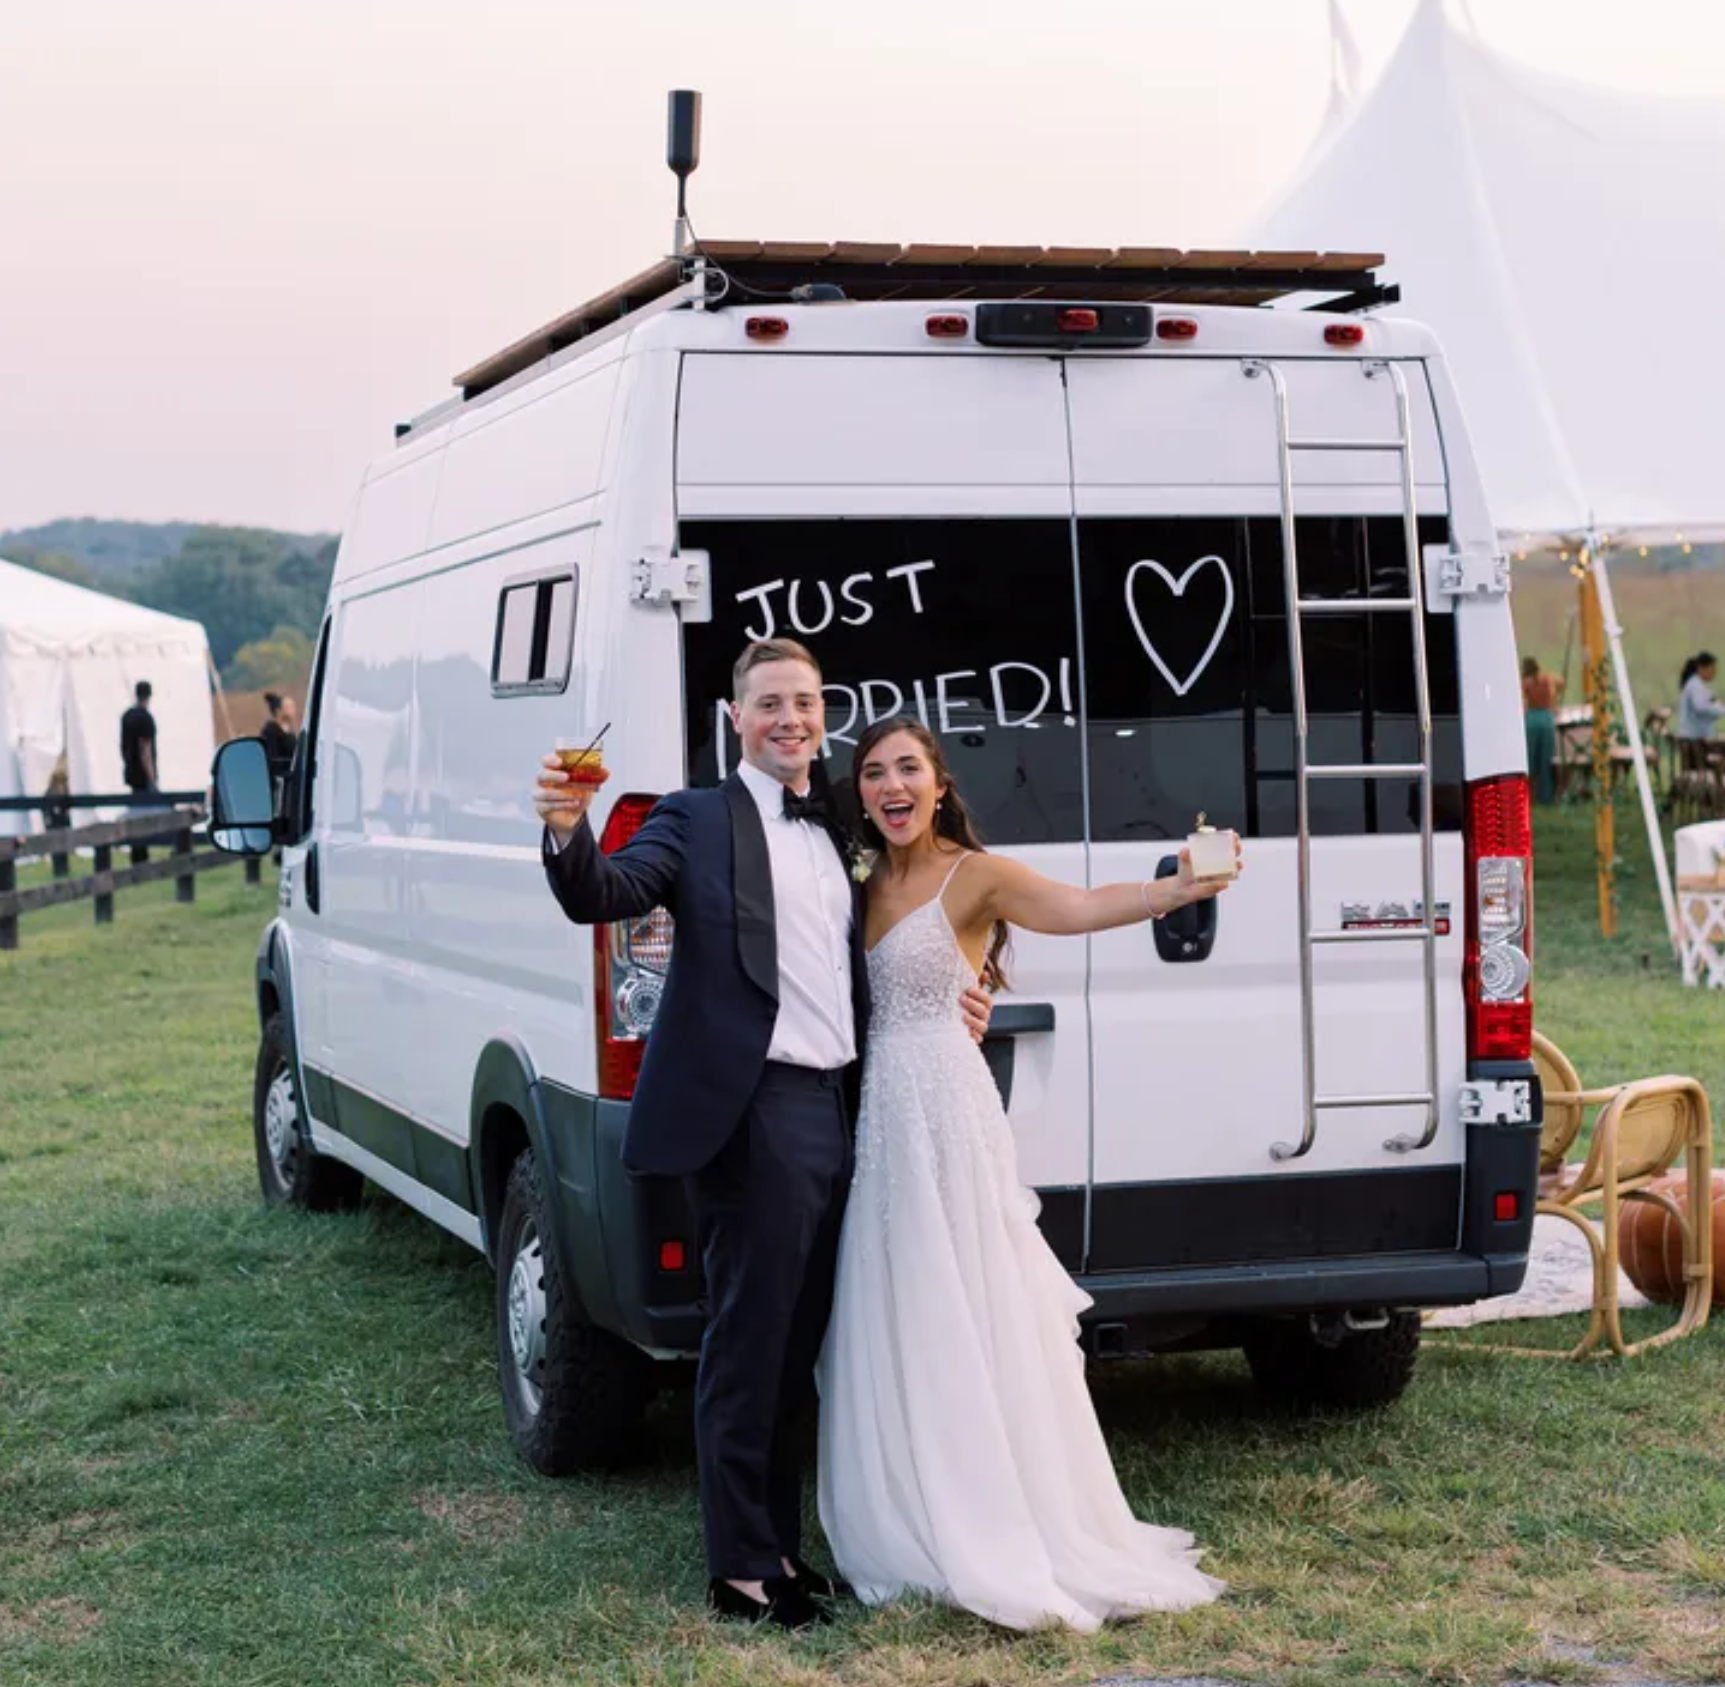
x,y
1641,1131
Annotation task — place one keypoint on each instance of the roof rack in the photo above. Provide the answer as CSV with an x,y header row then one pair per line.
x,y
753,269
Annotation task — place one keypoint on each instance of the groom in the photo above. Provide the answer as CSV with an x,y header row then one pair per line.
x,y
746,1091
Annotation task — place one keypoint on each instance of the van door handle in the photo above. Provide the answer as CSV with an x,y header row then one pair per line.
x,y
1020,1019
313,888
1009,1022
1189,933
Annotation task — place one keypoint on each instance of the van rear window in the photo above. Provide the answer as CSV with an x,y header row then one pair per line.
x,y
1111,697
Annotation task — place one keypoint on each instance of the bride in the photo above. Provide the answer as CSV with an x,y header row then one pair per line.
x,y
960,1454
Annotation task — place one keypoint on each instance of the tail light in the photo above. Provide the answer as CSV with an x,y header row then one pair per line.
x,y
630,959
1499,920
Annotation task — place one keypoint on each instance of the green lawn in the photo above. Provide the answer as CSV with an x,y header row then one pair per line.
x,y
241,1447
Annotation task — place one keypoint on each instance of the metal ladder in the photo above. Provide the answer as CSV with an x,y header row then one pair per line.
x,y
1412,606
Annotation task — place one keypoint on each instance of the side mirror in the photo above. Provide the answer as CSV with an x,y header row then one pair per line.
x,y
242,799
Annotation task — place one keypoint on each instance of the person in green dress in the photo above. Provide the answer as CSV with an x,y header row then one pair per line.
x,y
1539,694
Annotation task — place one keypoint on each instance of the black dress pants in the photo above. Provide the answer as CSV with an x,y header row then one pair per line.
x,y
769,1205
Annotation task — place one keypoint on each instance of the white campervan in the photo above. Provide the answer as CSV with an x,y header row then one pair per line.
x,y
1137,546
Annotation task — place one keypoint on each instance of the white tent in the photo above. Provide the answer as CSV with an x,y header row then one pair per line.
x,y
69,659
1567,243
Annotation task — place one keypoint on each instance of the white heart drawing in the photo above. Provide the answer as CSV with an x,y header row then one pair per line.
x,y
1178,587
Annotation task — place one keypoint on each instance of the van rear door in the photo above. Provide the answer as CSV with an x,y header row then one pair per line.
x,y
910,518
1197,1065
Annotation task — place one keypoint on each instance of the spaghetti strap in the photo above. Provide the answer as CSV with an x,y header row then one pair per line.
x,y
964,856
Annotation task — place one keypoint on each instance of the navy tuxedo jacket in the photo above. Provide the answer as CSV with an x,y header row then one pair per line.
x,y
702,854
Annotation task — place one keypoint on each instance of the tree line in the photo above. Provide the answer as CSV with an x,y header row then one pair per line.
x,y
259,593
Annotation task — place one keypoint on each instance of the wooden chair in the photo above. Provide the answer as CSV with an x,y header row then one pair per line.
x,y
1698,787
1642,1130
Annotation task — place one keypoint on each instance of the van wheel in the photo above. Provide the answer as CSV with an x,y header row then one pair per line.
x,y
573,1395
1332,1366
290,1172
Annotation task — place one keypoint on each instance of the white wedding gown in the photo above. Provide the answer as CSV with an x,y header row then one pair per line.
x,y
960,1454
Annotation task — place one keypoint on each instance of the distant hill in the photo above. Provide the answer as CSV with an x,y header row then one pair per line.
x,y
114,552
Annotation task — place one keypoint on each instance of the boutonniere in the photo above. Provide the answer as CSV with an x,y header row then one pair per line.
x,y
861,860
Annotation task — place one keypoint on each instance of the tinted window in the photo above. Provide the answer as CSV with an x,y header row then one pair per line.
x,y
969,625
1190,706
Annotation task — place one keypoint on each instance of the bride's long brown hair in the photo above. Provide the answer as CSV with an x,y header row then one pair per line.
x,y
952,821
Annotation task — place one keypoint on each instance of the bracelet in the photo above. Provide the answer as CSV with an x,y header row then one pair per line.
x,y
1144,891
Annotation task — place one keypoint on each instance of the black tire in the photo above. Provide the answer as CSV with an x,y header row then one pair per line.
x,y
573,1395
290,1172
1362,1369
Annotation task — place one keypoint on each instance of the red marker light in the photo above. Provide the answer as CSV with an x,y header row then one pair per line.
x,y
673,1256
1506,1207
947,327
766,328
1176,328
1344,334
1078,320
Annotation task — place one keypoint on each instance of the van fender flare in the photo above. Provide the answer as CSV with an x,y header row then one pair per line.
x,y
274,979
275,996
505,1078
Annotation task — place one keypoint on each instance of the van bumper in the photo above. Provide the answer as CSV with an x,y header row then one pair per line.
x,y
1449,1279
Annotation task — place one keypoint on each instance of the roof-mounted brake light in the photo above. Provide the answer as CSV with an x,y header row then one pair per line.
x,y
1345,334
953,327
766,328
1176,328
1030,322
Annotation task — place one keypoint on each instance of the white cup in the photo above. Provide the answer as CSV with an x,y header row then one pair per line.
x,y
1212,853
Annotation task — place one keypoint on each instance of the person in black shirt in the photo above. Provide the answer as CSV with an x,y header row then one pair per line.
x,y
138,753
280,733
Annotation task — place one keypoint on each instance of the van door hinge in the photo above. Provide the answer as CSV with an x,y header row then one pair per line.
x,y
660,576
1451,575
1497,1101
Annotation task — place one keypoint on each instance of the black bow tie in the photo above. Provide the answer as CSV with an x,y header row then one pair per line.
x,y
805,808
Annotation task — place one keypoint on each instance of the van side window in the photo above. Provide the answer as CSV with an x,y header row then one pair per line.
x,y
531,652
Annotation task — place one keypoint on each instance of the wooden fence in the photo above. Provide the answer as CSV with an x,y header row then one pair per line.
x,y
170,825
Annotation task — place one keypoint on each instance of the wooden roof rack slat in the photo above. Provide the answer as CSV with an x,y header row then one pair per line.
x,y
937,254
1145,257
868,269
865,252
1092,257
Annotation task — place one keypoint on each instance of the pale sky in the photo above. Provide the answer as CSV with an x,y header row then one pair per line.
x,y
239,239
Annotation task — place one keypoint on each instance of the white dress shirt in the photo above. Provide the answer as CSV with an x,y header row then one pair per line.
x,y
812,903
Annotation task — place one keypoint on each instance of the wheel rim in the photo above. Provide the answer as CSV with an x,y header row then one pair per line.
x,y
526,1315
281,1125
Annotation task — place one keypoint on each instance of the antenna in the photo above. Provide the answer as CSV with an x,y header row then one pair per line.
x,y
683,153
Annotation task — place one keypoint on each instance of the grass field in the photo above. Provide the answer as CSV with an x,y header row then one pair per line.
x,y
1666,617
248,1448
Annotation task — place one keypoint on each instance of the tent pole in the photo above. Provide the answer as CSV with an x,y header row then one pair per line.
x,y
1632,725
221,696
1593,656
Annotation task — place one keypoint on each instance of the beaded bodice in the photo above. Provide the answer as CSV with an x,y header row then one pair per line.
x,y
916,974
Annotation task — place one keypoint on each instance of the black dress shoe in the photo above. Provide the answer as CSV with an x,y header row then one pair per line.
x,y
786,1605
817,1586
732,1602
